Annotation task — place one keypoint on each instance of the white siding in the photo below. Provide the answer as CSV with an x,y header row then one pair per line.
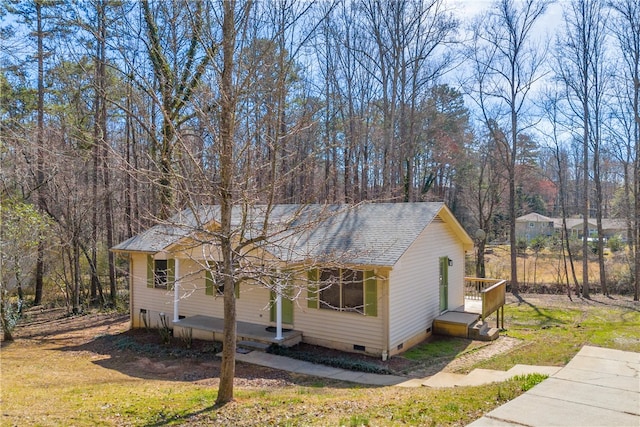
x,y
341,330
414,289
154,301
252,306
327,327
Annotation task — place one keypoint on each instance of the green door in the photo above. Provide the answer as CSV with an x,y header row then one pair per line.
x,y
287,309
444,283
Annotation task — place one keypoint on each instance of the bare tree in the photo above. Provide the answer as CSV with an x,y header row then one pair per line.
x,y
406,38
484,186
223,122
581,58
507,64
178,70
626,27
551,107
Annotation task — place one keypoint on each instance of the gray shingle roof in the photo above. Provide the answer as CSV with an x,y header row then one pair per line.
x,y
366,234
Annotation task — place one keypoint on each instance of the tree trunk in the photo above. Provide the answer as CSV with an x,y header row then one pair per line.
x,y
102,123
97,136
598,185
76,276
512,216
40,153
227,127
480,264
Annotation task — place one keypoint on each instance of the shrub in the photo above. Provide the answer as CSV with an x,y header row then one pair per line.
x,y
615,243
521,246
538,243
334,362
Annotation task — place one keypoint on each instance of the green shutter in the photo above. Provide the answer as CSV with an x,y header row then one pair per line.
x,y
370,294
272,306
150,269
209,286
208,282
171,273
312,288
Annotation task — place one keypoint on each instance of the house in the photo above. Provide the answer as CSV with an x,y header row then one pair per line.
x,y
533,224
367,278
610,228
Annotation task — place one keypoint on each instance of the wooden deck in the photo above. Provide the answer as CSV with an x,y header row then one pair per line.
x,y
211,329
465,323
455,323
473,305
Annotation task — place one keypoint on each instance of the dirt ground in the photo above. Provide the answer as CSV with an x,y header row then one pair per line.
x,y
106,339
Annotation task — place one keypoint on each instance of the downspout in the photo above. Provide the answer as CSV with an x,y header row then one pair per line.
x,y
278,311
131,291
176,291
385,313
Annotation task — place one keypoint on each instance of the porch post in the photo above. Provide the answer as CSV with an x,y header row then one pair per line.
x,y
278,310
176,290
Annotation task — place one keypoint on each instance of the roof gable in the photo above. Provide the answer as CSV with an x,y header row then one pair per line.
x,y
534,217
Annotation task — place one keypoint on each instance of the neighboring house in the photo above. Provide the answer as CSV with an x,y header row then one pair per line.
x,y
369,278
610,228
533,225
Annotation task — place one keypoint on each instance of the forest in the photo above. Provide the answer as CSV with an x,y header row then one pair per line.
x,y
116,114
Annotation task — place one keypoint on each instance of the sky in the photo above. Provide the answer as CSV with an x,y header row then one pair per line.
x,y
467,9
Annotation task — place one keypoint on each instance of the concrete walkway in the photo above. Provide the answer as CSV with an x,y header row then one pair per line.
x,y
598,387
441,379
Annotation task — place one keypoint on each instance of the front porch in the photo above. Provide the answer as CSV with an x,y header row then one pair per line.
x,y
248,334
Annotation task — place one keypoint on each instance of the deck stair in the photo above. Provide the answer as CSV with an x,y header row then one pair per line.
x,y
464,325
483,332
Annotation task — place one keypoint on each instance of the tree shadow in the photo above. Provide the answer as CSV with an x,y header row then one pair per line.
x,y
139,353
522,301
189,416
617,302
580,303
547,318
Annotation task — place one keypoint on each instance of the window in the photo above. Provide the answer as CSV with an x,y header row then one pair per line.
x,y
213,279
342,289
330,288
160,272
532,225
352,290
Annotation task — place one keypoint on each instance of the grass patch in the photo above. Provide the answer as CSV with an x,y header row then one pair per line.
x,y
45,385
530,380
553,334
355,421
440,347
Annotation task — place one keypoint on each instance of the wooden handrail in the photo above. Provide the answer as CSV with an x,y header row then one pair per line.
x,y
492,293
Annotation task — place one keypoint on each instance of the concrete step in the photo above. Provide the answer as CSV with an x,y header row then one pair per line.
x,y
444,379
482,332
485,376
491,335
252,345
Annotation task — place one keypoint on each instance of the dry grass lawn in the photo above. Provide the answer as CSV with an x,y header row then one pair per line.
x,y
85,371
